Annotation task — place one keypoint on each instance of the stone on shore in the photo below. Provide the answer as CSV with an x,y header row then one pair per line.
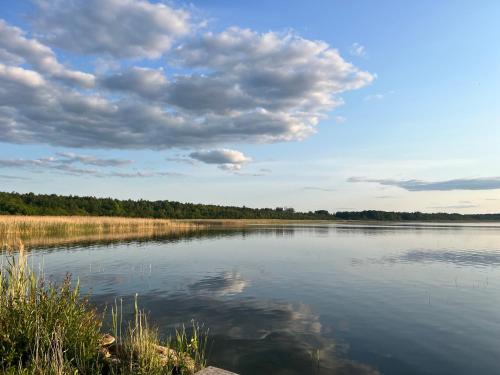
x,y
107,340
170,355
214,371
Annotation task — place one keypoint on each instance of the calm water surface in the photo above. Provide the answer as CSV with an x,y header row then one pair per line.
x,y
420,299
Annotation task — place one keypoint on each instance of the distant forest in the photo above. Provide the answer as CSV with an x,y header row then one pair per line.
x,y
413,216
43,204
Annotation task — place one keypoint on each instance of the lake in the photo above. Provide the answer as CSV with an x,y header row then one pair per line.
x,y
312,299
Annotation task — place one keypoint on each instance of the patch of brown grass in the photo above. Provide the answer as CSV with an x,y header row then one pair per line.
x,y
42,230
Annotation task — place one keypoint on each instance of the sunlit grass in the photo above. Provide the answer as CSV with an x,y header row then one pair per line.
x,y
51,329
44,328
141,351
57,230
24,226
44,230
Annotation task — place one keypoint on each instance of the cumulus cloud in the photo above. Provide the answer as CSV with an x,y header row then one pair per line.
x,y
486,183
16,48
145,82
119,28
247,86
284,68
234,86
230,160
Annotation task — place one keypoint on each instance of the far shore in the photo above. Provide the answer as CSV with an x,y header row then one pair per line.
x,y
41,231
81,225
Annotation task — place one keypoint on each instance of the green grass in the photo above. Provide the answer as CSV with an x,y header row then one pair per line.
x,y
51,329
138,349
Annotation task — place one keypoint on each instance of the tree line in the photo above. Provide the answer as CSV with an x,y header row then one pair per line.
x,y
43,204
413,216
52,204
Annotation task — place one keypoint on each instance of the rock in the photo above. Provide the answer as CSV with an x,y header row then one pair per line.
x,y
104,352
214,371
180,362
107,340
163,350
170,355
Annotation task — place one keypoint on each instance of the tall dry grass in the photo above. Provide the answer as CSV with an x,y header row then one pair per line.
x,y
39,230
78,225
141,351
59,230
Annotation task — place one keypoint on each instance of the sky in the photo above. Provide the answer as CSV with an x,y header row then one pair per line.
x,y
336,105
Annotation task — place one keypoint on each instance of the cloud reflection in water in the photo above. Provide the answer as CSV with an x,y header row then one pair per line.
x,y
222,284
250,335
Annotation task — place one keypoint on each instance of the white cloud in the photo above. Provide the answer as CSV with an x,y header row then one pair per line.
x,y
249,86
21,76
357,50
119,28
234,86
14,43
223,284
229,160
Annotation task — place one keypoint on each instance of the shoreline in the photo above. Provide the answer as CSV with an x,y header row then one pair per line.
x,y
117,224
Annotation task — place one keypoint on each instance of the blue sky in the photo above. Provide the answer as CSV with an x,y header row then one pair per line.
x,y
315,105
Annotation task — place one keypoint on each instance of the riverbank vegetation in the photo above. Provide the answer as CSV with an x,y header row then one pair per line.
x,y
48,328
42,231
413,216
40,204
30,227
57,205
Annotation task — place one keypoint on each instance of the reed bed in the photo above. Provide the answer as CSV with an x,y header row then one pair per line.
x,y
77,225
80,225
40,229
37,231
